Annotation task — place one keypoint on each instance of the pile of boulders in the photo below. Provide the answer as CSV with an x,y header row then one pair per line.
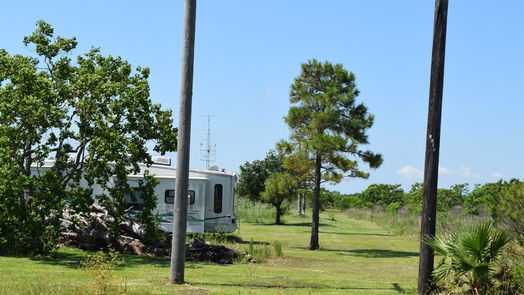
x,y
91,232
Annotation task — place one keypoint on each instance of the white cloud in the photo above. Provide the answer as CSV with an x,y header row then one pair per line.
x,y
466,172
497,175
410,172
267,94
443,170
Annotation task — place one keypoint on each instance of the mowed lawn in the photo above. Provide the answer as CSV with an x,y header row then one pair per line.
x,y
356,257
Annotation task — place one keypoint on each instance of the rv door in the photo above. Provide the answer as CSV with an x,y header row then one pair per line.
x,y
196,205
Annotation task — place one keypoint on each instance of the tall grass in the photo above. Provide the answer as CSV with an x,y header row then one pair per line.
x,y
261,253
255,212
406,223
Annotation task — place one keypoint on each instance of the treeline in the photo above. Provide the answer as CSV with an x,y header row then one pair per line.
x,y
503,201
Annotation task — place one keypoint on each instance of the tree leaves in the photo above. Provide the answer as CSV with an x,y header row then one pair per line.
x,y
94,116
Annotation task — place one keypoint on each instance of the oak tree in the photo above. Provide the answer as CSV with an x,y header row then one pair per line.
x,y
94,116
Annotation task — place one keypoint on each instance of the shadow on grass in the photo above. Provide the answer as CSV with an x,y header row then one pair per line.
x,y
308,224
299,285
356,234
73,259
375,253
398,288
255,242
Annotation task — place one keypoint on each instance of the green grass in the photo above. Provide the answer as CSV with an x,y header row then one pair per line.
x,y
356,257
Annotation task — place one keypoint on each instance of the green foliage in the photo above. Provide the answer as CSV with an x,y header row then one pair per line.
x,y
382,195
344,202
328,126
469,257
215,237
252,177
278,188
508,209
446,198
255,212
328,198
277,249
101,266
413,198
257,253
94,116
260,253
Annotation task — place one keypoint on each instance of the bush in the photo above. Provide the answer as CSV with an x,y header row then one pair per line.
x,y
470,258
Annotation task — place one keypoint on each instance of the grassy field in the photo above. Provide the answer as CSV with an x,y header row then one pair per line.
x,y
356,257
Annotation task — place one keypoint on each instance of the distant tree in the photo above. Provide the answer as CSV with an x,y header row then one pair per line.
x,y
382,195
279,187
413,198
94,116
328,127
507,208
454,196
252,177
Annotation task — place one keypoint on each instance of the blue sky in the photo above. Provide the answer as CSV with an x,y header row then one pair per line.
x,y
249,52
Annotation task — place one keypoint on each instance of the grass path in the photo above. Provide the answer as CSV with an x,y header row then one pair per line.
x,y
356,257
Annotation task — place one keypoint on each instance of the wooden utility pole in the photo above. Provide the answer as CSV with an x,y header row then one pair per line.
x,y
176,275
429,208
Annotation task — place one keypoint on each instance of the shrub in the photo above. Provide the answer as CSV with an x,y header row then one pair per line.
x,y
469,257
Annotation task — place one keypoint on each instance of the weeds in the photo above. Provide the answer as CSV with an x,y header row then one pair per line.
x,y
261,253
408,224
101,266
215,237
277,249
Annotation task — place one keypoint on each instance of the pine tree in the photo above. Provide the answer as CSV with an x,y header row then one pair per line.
x,y
328,127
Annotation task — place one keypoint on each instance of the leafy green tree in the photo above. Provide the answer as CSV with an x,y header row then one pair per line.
x,y
454,196
382,195
253,175
469,257
328,127
413,198
279,186
508,208
94,116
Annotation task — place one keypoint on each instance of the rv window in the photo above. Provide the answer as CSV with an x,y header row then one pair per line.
x,y
134,199
169,197
218,198
191,195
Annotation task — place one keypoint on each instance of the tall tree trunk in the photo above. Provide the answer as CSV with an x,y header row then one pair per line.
x,y
279,213
313,244
27,166
300,205
303,204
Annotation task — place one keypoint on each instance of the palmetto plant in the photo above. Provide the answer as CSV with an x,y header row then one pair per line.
x,y
469,256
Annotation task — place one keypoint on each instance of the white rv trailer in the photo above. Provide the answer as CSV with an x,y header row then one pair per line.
x,y
210,193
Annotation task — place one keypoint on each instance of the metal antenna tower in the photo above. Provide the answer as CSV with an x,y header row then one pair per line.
x,y
208,150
